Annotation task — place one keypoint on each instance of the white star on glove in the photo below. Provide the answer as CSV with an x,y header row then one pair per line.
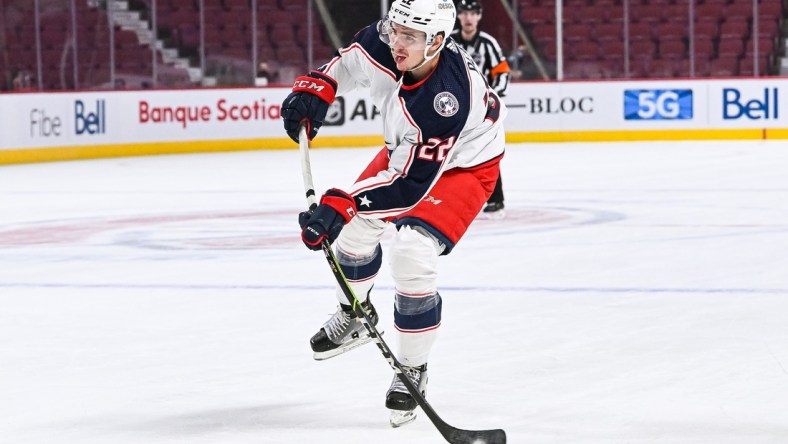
x,y
365,201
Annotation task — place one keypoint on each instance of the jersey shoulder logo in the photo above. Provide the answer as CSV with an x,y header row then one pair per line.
x,y
446,104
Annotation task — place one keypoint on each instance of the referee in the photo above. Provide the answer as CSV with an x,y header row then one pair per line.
x,y
487,54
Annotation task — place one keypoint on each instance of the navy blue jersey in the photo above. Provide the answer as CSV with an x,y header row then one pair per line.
x,y
450,119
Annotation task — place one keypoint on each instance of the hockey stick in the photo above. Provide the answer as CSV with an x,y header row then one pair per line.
x,y
452,434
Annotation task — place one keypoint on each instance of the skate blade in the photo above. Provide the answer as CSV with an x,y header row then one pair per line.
x,y
495,215
322,356
400,418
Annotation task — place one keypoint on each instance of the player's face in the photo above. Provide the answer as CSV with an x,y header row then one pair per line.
x,y
407,46
469,20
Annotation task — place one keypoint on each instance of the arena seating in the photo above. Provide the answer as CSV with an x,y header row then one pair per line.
x,y
659,35
281,31
281,40
658,38
133,60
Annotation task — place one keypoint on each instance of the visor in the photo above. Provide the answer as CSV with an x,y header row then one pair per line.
x,y
407,38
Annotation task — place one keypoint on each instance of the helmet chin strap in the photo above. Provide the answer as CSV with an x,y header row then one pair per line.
x,y
427,58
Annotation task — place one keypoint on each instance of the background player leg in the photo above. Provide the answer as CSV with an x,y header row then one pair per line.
x,y
494,208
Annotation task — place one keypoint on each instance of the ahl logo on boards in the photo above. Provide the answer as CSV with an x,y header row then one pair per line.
x,y
336,113
361,110
91,120
658,104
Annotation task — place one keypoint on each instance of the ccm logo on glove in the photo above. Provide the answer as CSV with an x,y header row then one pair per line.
x,y
306,85
308,103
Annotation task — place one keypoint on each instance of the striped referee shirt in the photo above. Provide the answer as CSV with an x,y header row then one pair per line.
x,y
487,53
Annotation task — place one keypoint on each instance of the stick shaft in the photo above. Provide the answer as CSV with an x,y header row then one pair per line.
x,y
306,169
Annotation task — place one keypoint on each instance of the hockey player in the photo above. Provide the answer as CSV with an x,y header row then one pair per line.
x,y
487,53
444,140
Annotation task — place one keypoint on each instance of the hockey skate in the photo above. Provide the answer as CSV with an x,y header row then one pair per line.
x,y
342,332
399,400
494,210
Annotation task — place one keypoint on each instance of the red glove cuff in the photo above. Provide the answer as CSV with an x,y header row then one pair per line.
x,y
318,84
342,202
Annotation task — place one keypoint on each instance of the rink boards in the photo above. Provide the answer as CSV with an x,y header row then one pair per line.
x,y
89,124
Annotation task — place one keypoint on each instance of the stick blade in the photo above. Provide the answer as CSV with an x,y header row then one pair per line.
x,y
458,436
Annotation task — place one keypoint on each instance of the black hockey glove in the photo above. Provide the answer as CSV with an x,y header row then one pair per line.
x,y
335,210
308,103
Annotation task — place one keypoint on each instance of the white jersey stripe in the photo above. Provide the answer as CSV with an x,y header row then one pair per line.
x,y
374,63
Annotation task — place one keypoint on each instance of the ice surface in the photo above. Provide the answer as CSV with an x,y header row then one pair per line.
x,y
635,293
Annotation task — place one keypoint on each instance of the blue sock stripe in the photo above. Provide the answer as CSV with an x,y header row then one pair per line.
x,y
427,319
361,270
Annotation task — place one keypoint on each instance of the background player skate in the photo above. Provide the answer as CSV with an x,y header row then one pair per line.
x,y
444,140
487,53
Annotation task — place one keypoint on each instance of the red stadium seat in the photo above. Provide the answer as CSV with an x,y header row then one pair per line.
x,y
578,14
706,29
531,16
714,10
724,67
613,67
612,48
671,30
585,51
613,14
575,4
740,9
643,47
674,11
730,47
734,27
771,8
609,31
662,69
701,68
703,47
240,5
543,32
291,54
282,32
672,49
747,65
639,30
766,45
577,69
645,12
767,27
577,32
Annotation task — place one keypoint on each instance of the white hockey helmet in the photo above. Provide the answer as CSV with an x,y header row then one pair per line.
x,y
428,16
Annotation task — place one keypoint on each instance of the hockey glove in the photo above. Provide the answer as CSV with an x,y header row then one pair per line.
x,y
335,210
308,103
